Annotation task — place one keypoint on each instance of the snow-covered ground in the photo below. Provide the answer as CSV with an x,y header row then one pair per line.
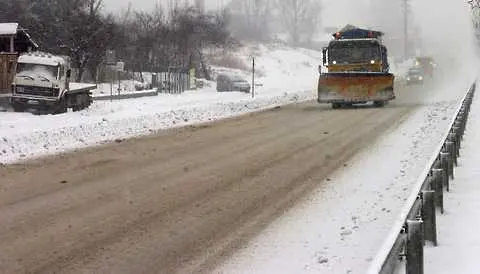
x,y
288,75
458,237
278,67
342,225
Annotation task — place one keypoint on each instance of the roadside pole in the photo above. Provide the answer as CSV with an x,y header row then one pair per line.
x,y
119,87
112,75
253,76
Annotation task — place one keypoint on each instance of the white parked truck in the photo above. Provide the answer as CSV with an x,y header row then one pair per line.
x,y
42,82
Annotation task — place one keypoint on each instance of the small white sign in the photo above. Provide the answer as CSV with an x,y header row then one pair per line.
x,y
120,66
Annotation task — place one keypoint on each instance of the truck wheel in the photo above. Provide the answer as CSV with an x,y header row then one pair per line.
x,y
18,108
61,107
379,104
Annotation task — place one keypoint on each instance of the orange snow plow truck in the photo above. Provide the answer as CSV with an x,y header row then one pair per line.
x,y
355,69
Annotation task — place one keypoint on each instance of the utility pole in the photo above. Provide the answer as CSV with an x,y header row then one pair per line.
x,y
405,28
253,77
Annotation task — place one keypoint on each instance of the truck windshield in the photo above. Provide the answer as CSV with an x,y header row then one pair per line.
x,y
353,52
36,70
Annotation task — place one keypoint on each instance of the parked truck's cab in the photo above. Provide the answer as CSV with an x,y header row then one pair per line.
x,y
42,81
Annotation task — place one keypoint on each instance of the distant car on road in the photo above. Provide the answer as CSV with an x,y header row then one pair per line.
x,y
227,82
415,75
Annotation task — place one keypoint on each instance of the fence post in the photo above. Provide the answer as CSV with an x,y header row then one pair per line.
x,y
429,216
438,175
414,247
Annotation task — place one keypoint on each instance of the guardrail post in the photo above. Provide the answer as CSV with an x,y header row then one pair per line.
x,y
414,247
447,148
461,124
458,126
453,155
438,178
452,137
445,166
458,137
429,216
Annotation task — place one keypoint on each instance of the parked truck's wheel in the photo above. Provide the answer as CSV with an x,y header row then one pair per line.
x,y
379,104
18,108
61,107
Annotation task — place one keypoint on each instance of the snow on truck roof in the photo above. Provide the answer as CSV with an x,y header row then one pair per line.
x,y
353,32
41,58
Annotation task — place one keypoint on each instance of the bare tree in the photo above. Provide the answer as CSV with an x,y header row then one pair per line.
x,y
77,28
251,19
193,32
300,18
15,11
144,40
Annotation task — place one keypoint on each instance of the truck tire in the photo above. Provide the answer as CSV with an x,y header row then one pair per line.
x,y
18,108
379,104
61,107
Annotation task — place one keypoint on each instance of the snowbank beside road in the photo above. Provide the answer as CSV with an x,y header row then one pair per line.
x,y
23,135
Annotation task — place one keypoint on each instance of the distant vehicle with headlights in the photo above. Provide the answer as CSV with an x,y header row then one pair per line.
x,y
415,75
355,69
42,82
427,64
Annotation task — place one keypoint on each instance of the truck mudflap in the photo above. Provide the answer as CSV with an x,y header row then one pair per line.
x,y
355,87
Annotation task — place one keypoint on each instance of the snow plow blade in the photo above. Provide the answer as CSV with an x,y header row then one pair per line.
x,y
351,87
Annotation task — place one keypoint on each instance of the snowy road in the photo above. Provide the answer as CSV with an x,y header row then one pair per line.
x,y
178,202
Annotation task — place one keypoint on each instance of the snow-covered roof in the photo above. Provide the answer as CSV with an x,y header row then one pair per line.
x,y
41,58
8,28
14,29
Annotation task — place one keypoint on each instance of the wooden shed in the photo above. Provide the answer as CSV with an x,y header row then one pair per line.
x,y
14,40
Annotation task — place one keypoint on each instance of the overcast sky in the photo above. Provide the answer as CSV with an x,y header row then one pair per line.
x,y
117,5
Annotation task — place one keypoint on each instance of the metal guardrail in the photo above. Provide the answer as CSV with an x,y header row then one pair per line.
x,y
417,223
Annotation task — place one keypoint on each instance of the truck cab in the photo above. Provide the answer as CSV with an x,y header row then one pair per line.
x,y
42,81
356,50
355,69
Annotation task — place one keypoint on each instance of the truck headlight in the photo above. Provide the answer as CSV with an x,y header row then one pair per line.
x,y
420,78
